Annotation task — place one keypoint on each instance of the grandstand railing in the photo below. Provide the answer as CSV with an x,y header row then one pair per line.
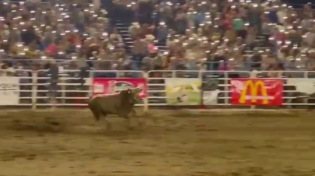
x,y
163,88
210,65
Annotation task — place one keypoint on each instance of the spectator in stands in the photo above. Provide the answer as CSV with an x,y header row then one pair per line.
x,y
139,50
116,38
144,11
162,33
134,30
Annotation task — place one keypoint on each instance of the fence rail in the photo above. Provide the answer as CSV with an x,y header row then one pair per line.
x,y
167,88
210,65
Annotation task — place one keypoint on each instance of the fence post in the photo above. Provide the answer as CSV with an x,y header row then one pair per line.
x,y
226,88
305,74
34,89
90,83
63,89
173,74
146,101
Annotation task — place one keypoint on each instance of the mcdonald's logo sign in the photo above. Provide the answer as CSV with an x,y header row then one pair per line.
x,y
254,87
256,92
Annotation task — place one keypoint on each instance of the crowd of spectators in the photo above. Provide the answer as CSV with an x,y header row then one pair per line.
x,y
57,35
219,34
165,34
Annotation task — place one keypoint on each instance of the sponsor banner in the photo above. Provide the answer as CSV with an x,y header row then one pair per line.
x,y
210,90
306,86
115,85
9,90
183,91
210,97
256,92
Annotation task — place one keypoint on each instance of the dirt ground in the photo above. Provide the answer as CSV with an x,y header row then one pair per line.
x,y
66,143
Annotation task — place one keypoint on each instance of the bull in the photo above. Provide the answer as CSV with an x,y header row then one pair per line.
x,y
121,104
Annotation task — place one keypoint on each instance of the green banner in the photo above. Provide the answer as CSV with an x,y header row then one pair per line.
x,y
183,91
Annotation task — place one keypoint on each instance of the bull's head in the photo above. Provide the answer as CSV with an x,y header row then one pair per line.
x,y
135,93
127,96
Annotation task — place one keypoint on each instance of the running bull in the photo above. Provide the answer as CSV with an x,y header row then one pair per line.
x,y
121,104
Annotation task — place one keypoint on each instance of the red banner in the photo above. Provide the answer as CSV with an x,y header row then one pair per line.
x,y
256,92
115,85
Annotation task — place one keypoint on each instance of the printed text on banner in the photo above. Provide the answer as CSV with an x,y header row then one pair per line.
x,y
9,90
256,92
115,85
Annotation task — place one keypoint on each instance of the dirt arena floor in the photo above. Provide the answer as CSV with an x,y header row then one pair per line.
x,y
67,143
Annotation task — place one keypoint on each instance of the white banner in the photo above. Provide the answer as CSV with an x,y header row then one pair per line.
x,y
303,85
210,97
210,90
9,90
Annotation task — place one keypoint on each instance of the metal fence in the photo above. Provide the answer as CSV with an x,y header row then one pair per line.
x,y
163,88
107,64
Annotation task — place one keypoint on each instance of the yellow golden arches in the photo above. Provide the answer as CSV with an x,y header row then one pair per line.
x,y
253,87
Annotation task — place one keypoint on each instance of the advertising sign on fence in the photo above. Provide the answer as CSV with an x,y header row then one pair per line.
x,y
9,90
256,92
115,85
183,91
306,86
210,90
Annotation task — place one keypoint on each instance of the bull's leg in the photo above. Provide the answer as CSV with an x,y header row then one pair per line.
x,y
99,121
96,114
126,115
133,114
106,122
128,121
